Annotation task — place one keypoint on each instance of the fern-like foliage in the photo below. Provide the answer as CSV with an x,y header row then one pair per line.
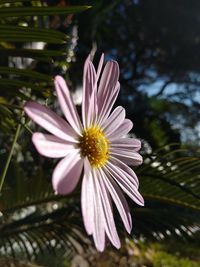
x,y
179,170
31,42
170,185
34,219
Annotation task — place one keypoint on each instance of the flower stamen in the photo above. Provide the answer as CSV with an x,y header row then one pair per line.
x,y
95,146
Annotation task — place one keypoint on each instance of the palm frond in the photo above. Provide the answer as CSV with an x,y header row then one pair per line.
x,y
32,213
7,12
169,184
172,177
23,23
35,219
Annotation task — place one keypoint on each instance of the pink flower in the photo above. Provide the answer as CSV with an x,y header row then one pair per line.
x,y
99,145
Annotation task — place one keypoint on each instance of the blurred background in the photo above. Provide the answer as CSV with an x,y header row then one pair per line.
x,y
157,46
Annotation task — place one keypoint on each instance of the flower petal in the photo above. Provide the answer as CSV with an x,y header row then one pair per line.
x,y
67,104
121,178
105,105
108,80
118,199
92,110
108,213
99,219
130,174
122,130
67,173
50,121
87,203
114,120
128,156
89,78
51,146
126,143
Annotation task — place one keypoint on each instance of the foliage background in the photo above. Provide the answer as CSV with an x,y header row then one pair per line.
x,y
157,47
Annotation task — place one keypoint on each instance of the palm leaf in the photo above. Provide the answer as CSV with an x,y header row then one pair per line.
x,y
172,177
7,12
169,184
17,81
46,227
25,73
10,33
41,55
171,208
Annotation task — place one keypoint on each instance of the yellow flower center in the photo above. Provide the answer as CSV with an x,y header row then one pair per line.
x,y
95,146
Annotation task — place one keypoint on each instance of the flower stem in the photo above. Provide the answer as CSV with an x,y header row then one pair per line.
x,y
2,178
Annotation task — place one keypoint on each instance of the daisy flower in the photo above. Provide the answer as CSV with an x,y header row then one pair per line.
x,y
98,145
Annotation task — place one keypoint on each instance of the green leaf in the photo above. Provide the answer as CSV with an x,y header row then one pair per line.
x,y
29,34
13,1
37,54
6,12
26,73
17,84
172,177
